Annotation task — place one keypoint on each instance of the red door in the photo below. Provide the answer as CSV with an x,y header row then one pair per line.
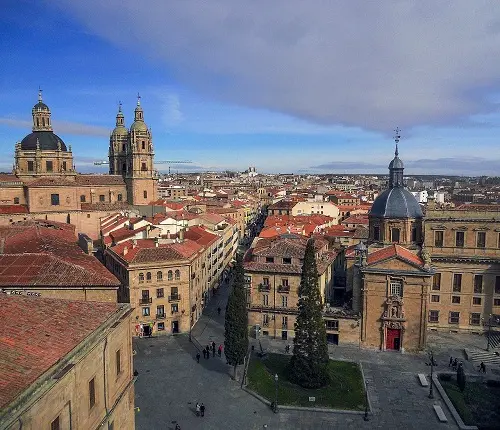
x,y
392,339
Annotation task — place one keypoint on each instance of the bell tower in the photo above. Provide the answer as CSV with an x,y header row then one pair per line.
x,y
41,115
140,176
118,146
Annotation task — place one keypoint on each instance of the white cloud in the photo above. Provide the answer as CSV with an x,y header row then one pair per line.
x,y
368,64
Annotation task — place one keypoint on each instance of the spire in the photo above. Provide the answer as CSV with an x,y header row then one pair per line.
x,y
139,115
397,137
396,166
138,99
40,94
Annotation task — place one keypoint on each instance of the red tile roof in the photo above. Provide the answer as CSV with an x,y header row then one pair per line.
x,y
14,209
37,333
200,236
99,180
394,251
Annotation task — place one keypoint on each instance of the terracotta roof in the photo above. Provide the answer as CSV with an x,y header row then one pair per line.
x,y
357,219
282,204
200,236
8,177
46,253
394,251
99,180
52,182
14,209
38,333
101,206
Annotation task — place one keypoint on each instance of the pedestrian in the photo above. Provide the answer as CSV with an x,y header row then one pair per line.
x,y
177,427
204,353
220,351
287,349
451,362
208,352
198,356
198,409
202,409
218,310
482,367
213,349
455,364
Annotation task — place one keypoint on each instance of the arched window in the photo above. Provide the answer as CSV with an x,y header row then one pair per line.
x,y
68,219
177,275
143,144
148,277
170,275
395,235
159,276
141,278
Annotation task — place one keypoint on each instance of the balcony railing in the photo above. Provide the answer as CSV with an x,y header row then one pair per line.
x,y
265,324
284,326
174,298
283,288
160,316
264,287
145,300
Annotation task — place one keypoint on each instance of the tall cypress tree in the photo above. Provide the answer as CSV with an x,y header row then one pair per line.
x,y
309,364
236,324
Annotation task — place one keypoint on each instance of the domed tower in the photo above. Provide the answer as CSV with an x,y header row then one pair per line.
x,y
118,146
396,216
140,176
42,153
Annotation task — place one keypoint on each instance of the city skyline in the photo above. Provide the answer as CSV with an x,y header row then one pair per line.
x,y
217,108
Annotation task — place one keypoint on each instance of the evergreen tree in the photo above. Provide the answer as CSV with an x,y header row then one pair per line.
x,y
309,364
236,324
461,378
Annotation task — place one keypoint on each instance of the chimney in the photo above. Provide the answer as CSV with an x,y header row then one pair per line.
x,y
157,242
134,243
125,250
181,234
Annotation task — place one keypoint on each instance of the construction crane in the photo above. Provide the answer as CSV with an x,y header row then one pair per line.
x,y
100,163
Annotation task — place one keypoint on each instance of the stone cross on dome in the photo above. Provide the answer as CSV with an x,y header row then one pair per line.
x,y
39,94
138,99
397,137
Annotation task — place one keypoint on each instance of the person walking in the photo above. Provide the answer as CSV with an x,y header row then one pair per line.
x,y
218,310
455,364
202,409
220,351
198,409
482,367
451,362
204,353
208,352
213,349
198,356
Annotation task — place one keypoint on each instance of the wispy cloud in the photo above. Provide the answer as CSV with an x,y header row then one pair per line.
x,y
66,127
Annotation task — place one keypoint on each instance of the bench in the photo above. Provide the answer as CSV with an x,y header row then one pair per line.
x,y
423,380
440,414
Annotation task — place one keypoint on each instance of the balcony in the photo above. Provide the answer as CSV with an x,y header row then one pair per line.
x,y
284,326
265,324
283,289
160,316
145,300
264,287
174,298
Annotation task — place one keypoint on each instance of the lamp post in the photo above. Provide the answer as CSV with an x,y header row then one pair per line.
x,y
276,395
431,356
489,333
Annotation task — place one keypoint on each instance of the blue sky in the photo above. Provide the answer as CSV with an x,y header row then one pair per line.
x,y
281,86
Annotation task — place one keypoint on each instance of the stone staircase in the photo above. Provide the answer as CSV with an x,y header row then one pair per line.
x,y
491,357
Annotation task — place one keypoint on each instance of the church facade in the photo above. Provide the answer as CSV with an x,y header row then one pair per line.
x,y
45,185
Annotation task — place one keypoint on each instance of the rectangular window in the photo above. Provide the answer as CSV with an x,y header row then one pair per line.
x,y
145,194
265,320
265,281
287,260
91,393
174,308
376,233
496,302
481,239
31,166
455,300
476,301
160,293
497,285
284,301
64,165
265,299
118,362
82,198
284,282
438,238
143,167
436,282
498,241
101,197
435,298
160,326
433,316
454,317
120,197
54,199
145,311
269,259
396,288
478,284
284,322
16,200
48,166
459,239
55,425
160,310
475,318
457,282
332,324
395,235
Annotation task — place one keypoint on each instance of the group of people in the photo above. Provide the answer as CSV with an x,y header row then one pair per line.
x,y
454,363
206,351
200,409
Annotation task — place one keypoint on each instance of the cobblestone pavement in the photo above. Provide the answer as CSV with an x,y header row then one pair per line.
x,y
171,382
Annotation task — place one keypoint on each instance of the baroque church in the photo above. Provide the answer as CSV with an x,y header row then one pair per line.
x,y
45,185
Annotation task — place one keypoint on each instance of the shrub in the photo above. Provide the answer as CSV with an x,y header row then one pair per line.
x,y
492,383
445,377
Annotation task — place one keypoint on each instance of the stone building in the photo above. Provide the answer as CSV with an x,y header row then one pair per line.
x,y
45,185
272,270
68,365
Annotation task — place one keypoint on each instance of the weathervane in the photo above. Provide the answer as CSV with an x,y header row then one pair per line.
x,y
397,137
138,99
39,93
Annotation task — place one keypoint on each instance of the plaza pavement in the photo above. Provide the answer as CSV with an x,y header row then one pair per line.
x,y
170,383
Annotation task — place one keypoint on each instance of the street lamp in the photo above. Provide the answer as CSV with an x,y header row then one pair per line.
x,y
489,333
276,396
431,356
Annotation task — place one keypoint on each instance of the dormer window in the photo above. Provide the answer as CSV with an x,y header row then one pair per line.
x,y
269,259
287,260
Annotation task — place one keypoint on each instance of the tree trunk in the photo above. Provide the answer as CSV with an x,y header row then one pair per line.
x,y
234,374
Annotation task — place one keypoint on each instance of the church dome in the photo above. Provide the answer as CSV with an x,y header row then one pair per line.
x,y
396,202
40,106
120,131
396,163
47,140
139,126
